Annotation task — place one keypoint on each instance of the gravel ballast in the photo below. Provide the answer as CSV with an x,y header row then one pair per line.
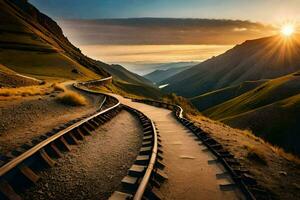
x,y
94,169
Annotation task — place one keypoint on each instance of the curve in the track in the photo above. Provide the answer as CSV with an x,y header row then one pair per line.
x,y
191,174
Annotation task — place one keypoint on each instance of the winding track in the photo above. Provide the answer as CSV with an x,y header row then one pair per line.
x,y
21,163
190,175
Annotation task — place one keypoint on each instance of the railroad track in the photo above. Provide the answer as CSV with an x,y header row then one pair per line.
x,y
19,169
239,174
146,175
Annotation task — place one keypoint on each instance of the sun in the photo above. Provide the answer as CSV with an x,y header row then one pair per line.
x,y
288,30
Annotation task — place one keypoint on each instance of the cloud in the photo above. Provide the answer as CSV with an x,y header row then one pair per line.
x,y
162,31
240,29
153,53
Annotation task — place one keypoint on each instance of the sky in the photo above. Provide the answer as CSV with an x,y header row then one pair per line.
x,y
167,30
267,11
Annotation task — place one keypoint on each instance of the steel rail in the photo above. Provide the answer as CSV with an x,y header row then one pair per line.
x,y
143,185
178,111
21,158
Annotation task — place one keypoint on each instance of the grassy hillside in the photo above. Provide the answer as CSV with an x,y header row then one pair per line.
x,y
263,58
39,49
130,90
9,78
120,73
210,99
276,122
38,46
270,110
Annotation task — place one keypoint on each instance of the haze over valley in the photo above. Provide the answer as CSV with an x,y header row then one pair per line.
x,y
159,40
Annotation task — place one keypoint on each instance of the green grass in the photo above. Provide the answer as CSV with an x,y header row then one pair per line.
x,y
267,93
271,111
44,64
27,47
210,99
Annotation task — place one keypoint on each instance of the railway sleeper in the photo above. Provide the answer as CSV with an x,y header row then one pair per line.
x,y
27,146
142,159
148,138
62,144
98,120
147,143
145,120
159,143
120,196
145,150
16,152
78,134
94,123
248,179
85,130
7,191
130,183
28,173
147,128
160,164
228,187
216,146
146,124
46,158
89,127
137,170
160,175
71,139
153,193
147,133
53,150
155,183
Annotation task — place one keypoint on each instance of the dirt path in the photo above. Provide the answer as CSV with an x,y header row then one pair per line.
x,y
93,170
190,175
24,118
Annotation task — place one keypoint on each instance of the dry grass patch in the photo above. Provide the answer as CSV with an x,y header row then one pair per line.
x,y
72,99
288,156
57,87
255,154
24,91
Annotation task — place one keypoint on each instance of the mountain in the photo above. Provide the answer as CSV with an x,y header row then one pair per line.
x,y
42,51
167,70
120,73
9,78
271,110
255,85
252,60
210,99
38,45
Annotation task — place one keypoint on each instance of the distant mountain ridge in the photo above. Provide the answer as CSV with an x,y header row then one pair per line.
x,y
168,70
263,58
122,74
